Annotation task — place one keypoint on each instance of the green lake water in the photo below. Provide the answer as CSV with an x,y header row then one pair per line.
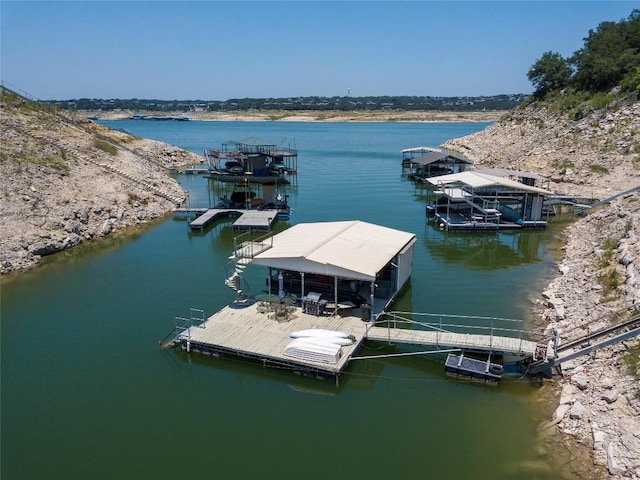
x,y
88,394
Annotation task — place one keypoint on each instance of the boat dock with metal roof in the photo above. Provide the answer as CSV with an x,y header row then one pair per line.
x,y
317,268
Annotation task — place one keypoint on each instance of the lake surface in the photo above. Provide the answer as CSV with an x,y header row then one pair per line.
x,y
88,393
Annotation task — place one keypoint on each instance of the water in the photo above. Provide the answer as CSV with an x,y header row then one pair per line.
x,y
87,392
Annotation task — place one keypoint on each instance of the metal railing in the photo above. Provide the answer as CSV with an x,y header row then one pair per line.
x,y
493,326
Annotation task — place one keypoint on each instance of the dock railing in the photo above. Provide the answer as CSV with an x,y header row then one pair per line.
x,y
183,326
447,323
245,248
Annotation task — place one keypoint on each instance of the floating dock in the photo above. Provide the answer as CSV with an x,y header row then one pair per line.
x,y
459,366
247,219
252,331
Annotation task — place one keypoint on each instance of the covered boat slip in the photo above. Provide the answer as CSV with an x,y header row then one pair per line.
x,y
345,254
252,156
475,200
350,261
433,164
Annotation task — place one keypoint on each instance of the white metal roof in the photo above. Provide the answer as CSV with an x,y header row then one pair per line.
x,y
481,180
432,157
503,172
420,149
349,249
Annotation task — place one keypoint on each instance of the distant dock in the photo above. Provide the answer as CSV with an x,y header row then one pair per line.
x,y
247,219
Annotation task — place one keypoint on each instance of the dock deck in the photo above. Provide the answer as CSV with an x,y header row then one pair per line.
x,y
253,332
248,331
463,341
247,219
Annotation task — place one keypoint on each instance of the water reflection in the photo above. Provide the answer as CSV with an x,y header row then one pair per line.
x,y
362,375
484,250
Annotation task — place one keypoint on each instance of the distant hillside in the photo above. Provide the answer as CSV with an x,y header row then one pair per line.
x,y
386,103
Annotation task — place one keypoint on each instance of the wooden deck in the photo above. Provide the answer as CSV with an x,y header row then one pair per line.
x,y
245,331
249,331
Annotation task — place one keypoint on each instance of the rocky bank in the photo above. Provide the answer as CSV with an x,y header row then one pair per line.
x,y
598,281
66,180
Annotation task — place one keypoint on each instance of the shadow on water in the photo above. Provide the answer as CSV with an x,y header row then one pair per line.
x,y
362,377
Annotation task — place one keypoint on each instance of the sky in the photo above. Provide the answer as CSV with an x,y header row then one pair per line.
x,y
218,50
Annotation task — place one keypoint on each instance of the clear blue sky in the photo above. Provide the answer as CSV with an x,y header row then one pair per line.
x,y
216,50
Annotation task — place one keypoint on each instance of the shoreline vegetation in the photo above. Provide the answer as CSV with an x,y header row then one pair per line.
x,y
309,115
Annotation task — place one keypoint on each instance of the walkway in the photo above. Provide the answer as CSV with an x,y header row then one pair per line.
x,y
247,219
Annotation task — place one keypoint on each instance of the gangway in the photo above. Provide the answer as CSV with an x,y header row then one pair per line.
x,y
627,328
470,334
609,199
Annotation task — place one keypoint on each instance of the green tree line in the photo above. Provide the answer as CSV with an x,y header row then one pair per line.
x,y
314,103
609,58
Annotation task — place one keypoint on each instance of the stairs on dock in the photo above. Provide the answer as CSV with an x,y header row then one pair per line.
x,y
234,279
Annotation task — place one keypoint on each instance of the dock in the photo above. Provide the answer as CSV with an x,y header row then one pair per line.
x,y
196,170
496,344
462,223
251,331
247,219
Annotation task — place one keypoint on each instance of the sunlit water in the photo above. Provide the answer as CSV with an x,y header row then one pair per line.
x,y
88,393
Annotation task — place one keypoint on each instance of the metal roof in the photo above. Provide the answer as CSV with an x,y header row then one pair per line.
x,y
420,149
503,172
433,157
482,180
348,249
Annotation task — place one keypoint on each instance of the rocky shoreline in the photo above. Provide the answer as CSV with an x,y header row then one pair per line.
x,y
66,181
598,397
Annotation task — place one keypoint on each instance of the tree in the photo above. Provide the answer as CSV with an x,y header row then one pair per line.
x,y
609,53
631,82
551,72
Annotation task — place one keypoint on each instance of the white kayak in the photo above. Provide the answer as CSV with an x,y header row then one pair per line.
x,y
322,340
319,333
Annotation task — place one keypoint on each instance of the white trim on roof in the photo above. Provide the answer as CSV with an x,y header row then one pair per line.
x,y
421,149
481,180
